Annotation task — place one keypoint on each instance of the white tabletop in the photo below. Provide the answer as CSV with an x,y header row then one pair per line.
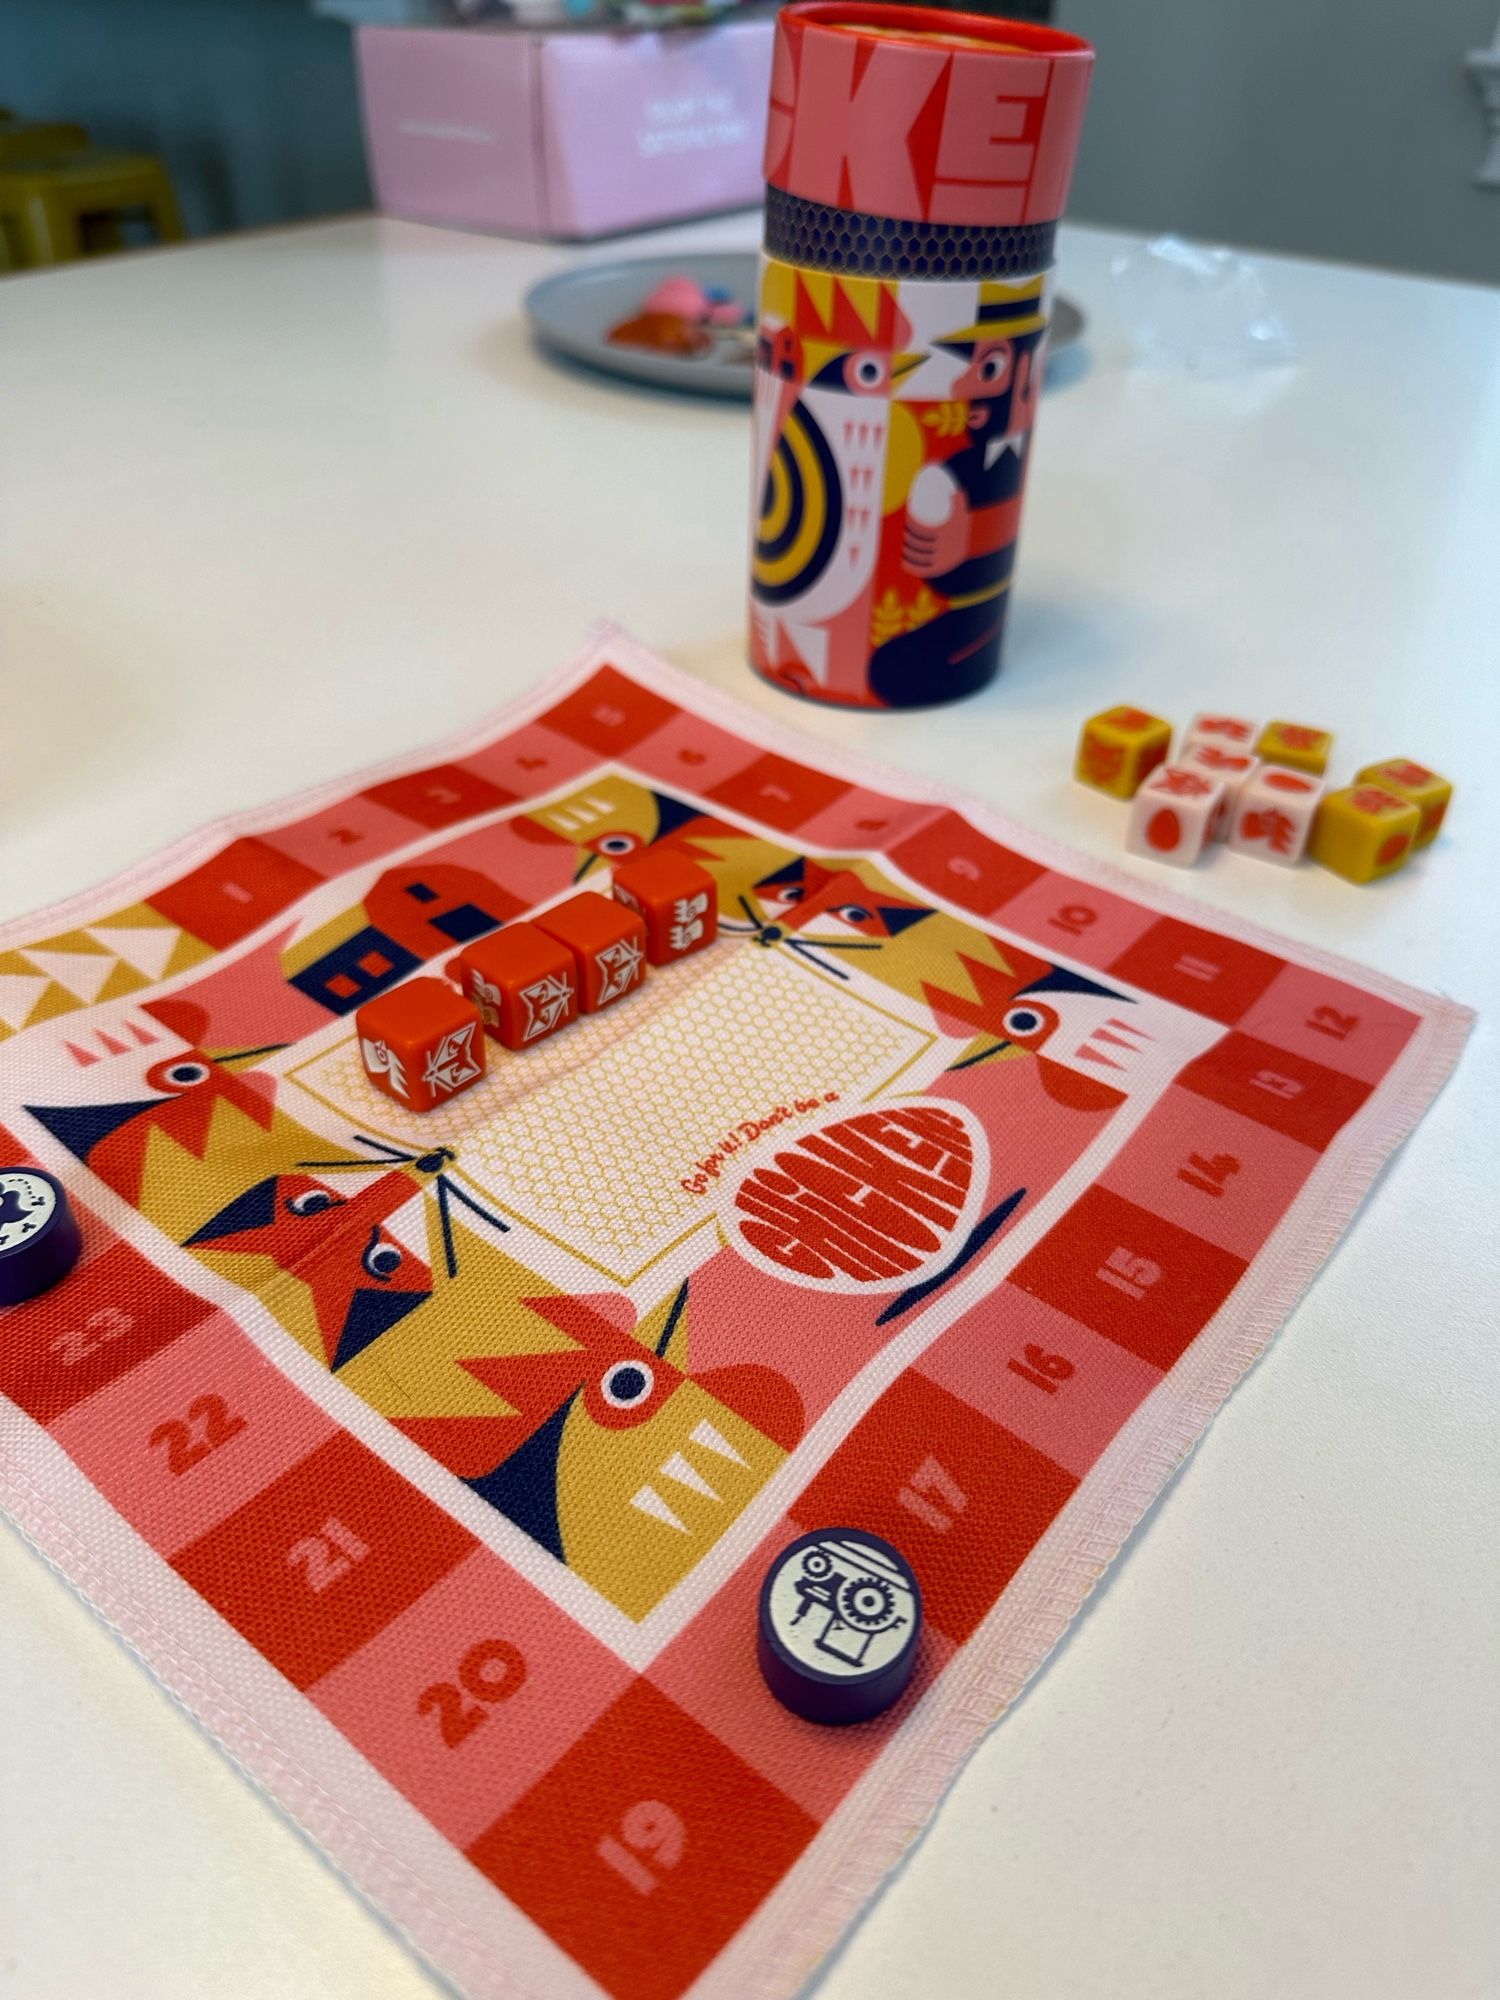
x,y
280,506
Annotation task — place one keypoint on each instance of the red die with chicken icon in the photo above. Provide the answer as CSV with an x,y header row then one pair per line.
x,y
676,900
421,1043
523,983
607,941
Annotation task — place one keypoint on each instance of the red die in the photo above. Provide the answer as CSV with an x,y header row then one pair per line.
x,y
607,941
420,1043
523,983
678,900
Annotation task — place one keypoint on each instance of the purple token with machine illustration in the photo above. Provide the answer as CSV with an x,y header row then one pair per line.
x,y
840,1616
39,1239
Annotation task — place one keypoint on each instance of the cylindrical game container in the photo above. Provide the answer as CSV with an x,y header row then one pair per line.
x,y
917,163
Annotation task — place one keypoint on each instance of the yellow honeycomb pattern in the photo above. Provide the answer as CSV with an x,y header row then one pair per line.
x,y
588,1136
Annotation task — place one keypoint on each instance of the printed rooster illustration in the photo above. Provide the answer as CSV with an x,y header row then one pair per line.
x,y
816,909
611,818
361,1278
1076,1024
819,466
131,1102
616,1458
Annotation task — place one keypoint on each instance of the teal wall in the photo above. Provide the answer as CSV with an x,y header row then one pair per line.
x,y
1331,128
251,103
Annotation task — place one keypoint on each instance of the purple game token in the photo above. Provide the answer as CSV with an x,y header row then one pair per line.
x,y
840,1616
39,1240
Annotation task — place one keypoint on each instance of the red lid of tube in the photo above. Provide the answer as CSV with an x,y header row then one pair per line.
x,y
924,115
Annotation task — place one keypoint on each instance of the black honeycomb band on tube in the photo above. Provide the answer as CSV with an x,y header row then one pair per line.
x,y
882,246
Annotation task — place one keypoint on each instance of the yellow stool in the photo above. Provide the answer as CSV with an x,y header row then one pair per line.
x,y
20,141
55,210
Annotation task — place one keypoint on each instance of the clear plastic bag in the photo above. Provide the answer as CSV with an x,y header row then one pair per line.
x,y
1188,306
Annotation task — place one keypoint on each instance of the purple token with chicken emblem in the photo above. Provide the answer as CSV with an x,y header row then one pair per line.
x,y
39,1240
840,1616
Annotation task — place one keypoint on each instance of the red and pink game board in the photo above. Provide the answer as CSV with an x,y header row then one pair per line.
x,y
435,1462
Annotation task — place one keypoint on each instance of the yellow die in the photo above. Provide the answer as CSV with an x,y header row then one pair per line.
x,y
1364,832
1119,748
1423,788
1295,744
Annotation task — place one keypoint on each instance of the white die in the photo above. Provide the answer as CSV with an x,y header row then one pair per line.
x,y
1229,732
1233,768
1172,815
1273,815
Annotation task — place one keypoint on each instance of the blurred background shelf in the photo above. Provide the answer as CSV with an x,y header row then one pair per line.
x,y
251,104
1345,130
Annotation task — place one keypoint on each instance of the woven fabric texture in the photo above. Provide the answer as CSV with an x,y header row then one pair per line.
x,y
435,1461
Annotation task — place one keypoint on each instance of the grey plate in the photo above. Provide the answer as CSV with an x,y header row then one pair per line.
x,y
572,312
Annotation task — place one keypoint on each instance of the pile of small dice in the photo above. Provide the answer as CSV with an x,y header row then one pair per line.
x,y
1261,791
424,1041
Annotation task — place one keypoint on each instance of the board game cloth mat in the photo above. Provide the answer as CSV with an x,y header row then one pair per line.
x,y
948,1194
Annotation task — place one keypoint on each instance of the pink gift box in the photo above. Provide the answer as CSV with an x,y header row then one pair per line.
x,y
567,134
